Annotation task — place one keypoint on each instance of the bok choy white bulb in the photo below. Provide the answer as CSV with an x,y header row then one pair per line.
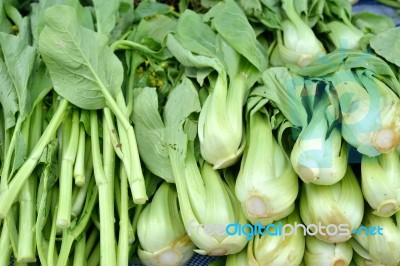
x,y
220,123
298,45
321,253
319,154
162,236
380,182
265,172
207,207
338,208
382,242
270,249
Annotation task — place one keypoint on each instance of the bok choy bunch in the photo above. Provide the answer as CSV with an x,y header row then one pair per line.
x,y
297,43
163,243
212,204
380,183
237,64
204,198
340,30
278,249
265,170
321,253
340,204
319,154
368,95
383,244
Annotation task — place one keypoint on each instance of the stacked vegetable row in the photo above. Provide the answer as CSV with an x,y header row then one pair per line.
x,y
241,115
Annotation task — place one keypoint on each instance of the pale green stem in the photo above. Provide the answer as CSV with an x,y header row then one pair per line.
x,y
7,197
52,252
5,246
124,224
79,168
79,254
92,240
94,259
69,151
6,167
104,183
31,131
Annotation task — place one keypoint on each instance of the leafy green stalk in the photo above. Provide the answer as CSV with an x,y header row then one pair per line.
x,y
44,201
104,180
95,257
79,167
78,204
7,164
135,175
91,242
70,134
78,226
5,246
27,216
124,223
79,253
100,70
7,197
16,64
11,221
52,255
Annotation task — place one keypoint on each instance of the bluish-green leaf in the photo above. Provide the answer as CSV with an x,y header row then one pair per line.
x,y
149,130
8,96
145,9
19,58
81,65
106,15
201,41
232,24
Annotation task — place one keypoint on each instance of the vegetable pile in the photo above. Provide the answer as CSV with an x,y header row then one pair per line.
x,y
131,130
